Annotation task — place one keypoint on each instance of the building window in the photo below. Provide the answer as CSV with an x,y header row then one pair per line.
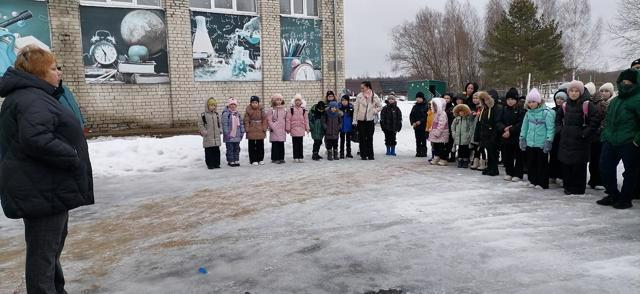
x,y
225,5
123,3
299,7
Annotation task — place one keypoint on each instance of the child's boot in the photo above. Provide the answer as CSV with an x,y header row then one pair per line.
x,y
393,151
388,150
435,160
329,155
475,163
315,156
335,154
483,165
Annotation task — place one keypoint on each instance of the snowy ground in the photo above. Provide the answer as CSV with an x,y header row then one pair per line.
x,y
328,227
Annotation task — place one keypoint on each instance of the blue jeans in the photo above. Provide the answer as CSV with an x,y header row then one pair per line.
x,y
609,159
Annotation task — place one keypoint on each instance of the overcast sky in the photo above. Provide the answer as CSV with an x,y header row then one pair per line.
x,y
368,25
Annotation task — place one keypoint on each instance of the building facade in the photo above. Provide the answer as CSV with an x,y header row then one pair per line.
x,y
136,64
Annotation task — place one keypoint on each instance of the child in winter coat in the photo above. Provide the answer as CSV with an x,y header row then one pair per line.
x,y
508,128
580,121
479,155
297,126
256,123
391,124
347,126
536,138
330,97
555,166
488,121
209,126
418,120
317,130
462,128
439,132
332,122
277,119
233,130
448,98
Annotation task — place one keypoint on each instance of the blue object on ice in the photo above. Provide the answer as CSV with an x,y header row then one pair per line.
x,y
202,270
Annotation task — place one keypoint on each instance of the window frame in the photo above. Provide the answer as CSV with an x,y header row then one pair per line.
x,y
115,4
233,10
304,8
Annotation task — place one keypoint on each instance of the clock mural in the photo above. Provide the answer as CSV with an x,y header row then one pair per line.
x,y
123,45
301,49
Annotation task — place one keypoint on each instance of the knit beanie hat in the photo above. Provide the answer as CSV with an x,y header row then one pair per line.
x,y
334,104
629,75
576,84
255,99
212,102
512,94
591,87
562,95
635,62
232,101
608,87
345,97
330,93
534,96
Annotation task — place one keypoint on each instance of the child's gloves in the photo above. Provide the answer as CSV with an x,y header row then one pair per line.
x,y
547,147
523,144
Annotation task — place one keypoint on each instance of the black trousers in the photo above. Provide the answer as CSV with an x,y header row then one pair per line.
x,y
212,157
45,239
365,132
575,178
594,165
538,167
479,152
297,147
256,150
331,144
464,152
316,145
556,167
277,151
421,141
512,159
440,150
609,160
345,138
492,157
390,138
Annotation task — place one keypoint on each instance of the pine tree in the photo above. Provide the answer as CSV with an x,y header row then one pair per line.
x,y
523,43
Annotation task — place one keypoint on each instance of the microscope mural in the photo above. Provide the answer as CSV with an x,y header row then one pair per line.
x,y
226,47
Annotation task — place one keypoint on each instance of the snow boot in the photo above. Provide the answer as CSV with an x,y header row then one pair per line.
x,y
342,154
606,201
315,156
393,151
349,155
388,151
335,154
459,163
435,160
443,162
465,163
329,155
475,164
483,165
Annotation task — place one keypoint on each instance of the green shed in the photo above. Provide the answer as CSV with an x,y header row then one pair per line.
x,y
430,88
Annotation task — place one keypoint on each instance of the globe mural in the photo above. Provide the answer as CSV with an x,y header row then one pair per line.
x,y
143,27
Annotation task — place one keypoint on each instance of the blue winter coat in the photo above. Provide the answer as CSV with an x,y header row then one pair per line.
x,y
226,127
347,118
539,126
69,100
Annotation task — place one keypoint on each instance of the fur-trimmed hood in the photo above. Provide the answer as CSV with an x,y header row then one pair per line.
x,y
462,110
486,99
304,103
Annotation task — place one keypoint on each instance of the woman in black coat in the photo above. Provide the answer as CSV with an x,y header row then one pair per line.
x,y
45,169
488,123
579,121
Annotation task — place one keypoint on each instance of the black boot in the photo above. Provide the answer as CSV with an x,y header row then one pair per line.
x,y
342,155
606,201
349,155
465,163
329,155
315,156
335,155
452,157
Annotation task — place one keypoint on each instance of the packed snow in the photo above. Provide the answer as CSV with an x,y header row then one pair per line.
x,y
163,223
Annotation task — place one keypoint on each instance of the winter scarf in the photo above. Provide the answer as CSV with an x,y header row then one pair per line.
x,y
235,123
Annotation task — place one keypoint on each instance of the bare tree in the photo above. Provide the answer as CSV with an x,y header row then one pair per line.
x,y
627,28
441,46
548,8
580,34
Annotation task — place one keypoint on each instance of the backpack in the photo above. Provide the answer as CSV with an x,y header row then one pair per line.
x,y
585,110
7,55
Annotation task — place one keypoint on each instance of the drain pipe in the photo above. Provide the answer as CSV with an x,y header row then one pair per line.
x,y
335,47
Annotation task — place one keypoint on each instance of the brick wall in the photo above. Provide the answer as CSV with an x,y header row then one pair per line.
x,y
178,104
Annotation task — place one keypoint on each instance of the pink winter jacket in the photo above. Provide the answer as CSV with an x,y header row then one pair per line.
x,y
298,123
277,117
439,132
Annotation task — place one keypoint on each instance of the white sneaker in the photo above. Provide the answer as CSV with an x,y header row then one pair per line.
x,y
261,163
508,178
600,188
516,179
255,163
538,187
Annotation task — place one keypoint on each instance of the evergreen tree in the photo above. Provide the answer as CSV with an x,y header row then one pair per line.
x,y
523,43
